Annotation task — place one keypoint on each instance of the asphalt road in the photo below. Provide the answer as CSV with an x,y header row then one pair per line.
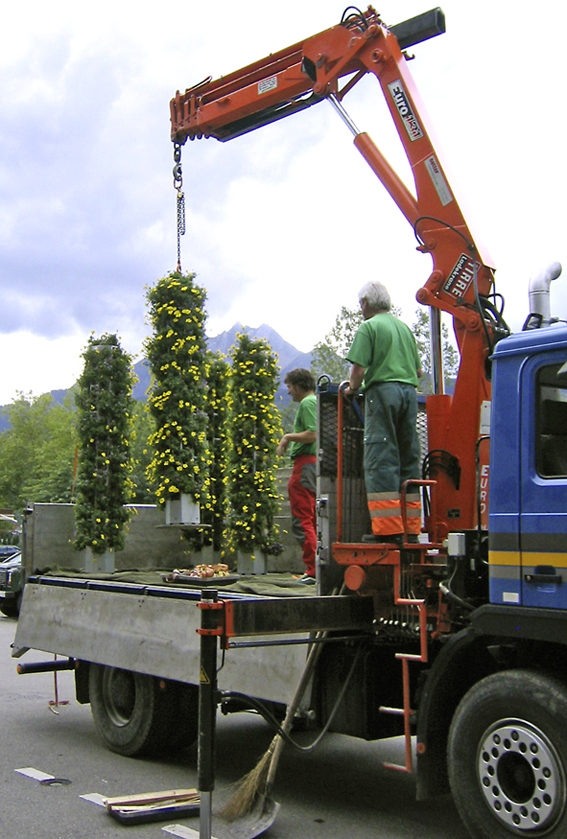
x,y
340,790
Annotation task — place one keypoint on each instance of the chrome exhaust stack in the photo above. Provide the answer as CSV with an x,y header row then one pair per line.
x,y
540,308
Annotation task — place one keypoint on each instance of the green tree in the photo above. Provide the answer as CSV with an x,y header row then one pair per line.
x,y
329,355
53,477
422,331
37,451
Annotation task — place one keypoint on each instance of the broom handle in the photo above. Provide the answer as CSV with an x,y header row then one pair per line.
x,y
278,741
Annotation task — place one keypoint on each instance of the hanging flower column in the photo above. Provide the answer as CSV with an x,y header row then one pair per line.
x,y
255,431
104,408
176,353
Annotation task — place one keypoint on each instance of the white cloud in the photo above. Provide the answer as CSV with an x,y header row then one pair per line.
x,y
283,225
30,361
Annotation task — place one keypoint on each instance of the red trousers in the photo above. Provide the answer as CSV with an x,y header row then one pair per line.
x,y
301,491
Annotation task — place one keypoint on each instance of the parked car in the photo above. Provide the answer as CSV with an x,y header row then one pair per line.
x,y
11,581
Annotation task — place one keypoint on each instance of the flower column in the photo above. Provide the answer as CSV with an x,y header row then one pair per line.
x,y
176,353
104,406
218,376
255,432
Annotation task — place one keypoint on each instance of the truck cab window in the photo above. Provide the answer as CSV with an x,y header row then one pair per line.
x,y
551,447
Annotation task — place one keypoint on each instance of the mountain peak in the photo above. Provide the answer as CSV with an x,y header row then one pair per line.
x,y
288,356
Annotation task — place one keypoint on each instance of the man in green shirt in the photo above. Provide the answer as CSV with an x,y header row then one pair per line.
x,y
302,448
385,363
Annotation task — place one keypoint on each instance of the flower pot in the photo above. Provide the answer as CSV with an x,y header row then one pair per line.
x,y
245,564
182,509
99,563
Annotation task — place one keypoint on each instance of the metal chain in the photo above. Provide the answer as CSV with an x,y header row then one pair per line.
x,y
177,184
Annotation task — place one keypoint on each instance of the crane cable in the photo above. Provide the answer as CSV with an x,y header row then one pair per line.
x,y
177,184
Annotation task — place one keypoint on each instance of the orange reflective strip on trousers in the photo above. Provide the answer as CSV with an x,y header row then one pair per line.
x,y
385,513
413,513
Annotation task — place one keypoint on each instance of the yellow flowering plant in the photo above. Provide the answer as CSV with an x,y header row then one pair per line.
x,y
255,430
176,354
214,510
104,403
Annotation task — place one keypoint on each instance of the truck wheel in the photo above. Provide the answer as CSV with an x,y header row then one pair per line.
x,y
9,609
507,757
132,713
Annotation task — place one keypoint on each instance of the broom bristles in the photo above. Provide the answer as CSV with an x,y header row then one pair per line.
x,y
249,787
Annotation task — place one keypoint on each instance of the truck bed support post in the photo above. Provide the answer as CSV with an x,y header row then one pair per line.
x,y
207,708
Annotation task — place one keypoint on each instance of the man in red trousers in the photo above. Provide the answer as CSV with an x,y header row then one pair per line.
x,y
302,448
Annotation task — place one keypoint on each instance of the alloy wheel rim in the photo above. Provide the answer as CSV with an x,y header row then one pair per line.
x,y
521,777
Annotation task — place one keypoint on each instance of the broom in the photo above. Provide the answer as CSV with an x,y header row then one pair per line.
x,y
260,780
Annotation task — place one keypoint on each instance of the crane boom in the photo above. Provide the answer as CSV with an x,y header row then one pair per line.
x,y
327,66
311,71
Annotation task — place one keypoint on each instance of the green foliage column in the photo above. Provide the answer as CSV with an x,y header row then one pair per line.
x,y
218,378
104,404
255,431
176,353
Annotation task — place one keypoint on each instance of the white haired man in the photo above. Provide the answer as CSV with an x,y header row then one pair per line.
x,y
385,363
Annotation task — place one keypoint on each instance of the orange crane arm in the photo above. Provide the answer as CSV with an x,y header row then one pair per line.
x,y
326,67
310,72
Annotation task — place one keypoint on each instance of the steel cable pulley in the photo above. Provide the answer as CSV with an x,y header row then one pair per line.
x,y
177,184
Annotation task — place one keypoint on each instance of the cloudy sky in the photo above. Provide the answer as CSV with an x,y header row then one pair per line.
x,y
283,225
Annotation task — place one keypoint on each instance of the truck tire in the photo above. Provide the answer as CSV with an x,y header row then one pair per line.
x,y
9,608
133,713
507,756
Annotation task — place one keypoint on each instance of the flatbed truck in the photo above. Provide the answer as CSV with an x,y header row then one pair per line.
x,y
460,639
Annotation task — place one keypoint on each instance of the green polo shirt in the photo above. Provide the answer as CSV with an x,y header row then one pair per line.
x,y
305,420
386,347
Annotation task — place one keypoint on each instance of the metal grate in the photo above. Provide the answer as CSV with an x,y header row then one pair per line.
x,y
353,433
356,520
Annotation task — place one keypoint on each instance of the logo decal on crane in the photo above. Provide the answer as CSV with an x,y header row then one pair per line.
x,y
405,110
461,277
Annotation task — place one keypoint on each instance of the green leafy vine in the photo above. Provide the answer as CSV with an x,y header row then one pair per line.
x,y
104,408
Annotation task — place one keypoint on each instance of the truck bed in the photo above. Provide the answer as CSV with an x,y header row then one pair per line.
x,y
151,628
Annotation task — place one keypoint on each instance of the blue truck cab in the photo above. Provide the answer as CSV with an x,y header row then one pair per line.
x,y
528,470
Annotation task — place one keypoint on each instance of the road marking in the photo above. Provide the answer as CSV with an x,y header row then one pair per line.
x,y
95,798
35,774
182,831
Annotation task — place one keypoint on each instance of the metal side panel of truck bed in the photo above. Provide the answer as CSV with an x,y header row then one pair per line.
x,y
149,630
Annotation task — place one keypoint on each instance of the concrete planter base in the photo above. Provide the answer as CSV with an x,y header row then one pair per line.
x,y
99,563
182,510
246,565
